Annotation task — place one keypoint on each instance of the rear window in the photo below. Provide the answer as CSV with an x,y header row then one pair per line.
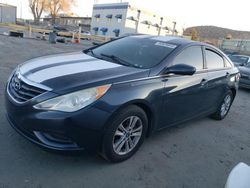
x,y
214,60
139,51
228,64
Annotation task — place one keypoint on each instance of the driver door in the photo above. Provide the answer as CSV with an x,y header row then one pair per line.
x,y
185,96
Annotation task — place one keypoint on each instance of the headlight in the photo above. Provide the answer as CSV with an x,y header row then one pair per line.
x,y
73,101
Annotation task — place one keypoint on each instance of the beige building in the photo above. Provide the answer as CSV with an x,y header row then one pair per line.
x,y
7,13
117,19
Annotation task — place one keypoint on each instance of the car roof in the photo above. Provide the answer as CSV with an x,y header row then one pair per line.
x,y
171,39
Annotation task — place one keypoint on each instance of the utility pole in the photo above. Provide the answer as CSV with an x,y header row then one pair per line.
x,y
174,26
160,26
21,9
138,20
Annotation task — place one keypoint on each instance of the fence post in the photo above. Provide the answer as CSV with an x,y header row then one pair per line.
x,y
30,31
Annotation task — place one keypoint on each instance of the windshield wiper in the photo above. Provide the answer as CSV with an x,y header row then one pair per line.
x,y
118,60
91,51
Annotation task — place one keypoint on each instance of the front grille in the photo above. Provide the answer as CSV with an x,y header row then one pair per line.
x,y
22,91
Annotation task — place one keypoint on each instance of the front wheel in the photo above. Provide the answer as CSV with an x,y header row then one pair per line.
x,y
224,107
125,134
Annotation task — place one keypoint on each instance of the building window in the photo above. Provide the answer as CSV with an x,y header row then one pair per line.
x,y
95,29
166,30
117,32
97,17
119,18
175,32
109,17
157,26
132,18
148,23
104,30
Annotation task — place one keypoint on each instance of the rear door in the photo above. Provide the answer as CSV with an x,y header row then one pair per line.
x,y
219,73
185,96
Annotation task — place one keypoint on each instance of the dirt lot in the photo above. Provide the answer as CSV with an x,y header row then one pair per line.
x,y
198,154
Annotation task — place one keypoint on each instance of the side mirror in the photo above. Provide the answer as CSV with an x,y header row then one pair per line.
x,y
180,69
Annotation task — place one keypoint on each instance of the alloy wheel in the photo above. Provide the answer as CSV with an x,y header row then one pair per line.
x,y
127,135
225,105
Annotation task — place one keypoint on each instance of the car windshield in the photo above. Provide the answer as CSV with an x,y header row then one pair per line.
x,y
134,51
239,59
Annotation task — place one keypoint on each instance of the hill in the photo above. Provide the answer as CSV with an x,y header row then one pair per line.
x,y
215,33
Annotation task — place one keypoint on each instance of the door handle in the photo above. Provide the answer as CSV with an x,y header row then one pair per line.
x,y
227,74
204,81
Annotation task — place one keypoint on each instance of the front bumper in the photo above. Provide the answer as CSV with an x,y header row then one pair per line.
x,y
58,130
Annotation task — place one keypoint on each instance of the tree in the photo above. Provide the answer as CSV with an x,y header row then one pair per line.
x,y
37,7
54,7
229,36
194,34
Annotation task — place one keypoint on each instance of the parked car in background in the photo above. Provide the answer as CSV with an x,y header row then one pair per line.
x,y
229,53
240,60
110,97
239,177
58,28
86,35
245,75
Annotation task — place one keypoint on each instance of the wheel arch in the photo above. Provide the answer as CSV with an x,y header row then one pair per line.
x,y
145,106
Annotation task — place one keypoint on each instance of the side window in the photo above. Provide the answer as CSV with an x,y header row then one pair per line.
x,y
214,61
228,64
190,56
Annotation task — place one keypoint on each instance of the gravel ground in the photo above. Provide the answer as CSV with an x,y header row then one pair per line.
x,y
196,154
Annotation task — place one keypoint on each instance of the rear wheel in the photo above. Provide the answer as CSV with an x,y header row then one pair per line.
x,y
224,107
125,134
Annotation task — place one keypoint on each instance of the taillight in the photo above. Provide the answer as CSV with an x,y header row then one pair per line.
x,y
237,77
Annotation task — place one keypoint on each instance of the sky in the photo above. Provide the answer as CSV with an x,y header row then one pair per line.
x,y
223,13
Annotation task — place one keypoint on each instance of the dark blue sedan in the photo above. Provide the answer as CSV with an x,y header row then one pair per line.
x,y
108,98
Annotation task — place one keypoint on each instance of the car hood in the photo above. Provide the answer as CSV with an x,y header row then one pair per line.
x,y
68,71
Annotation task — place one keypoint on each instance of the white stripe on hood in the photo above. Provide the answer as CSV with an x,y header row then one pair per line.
x,y
67,69
53,59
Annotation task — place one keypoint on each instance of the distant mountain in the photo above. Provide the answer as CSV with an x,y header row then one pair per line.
x,y
213,32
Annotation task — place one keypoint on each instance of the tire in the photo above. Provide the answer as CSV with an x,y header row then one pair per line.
x,y
225,104
121,131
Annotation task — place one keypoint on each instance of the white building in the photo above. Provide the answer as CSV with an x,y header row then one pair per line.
x,y
116,19
7,13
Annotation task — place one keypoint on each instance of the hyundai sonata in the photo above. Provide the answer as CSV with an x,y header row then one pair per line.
x,y
110,97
